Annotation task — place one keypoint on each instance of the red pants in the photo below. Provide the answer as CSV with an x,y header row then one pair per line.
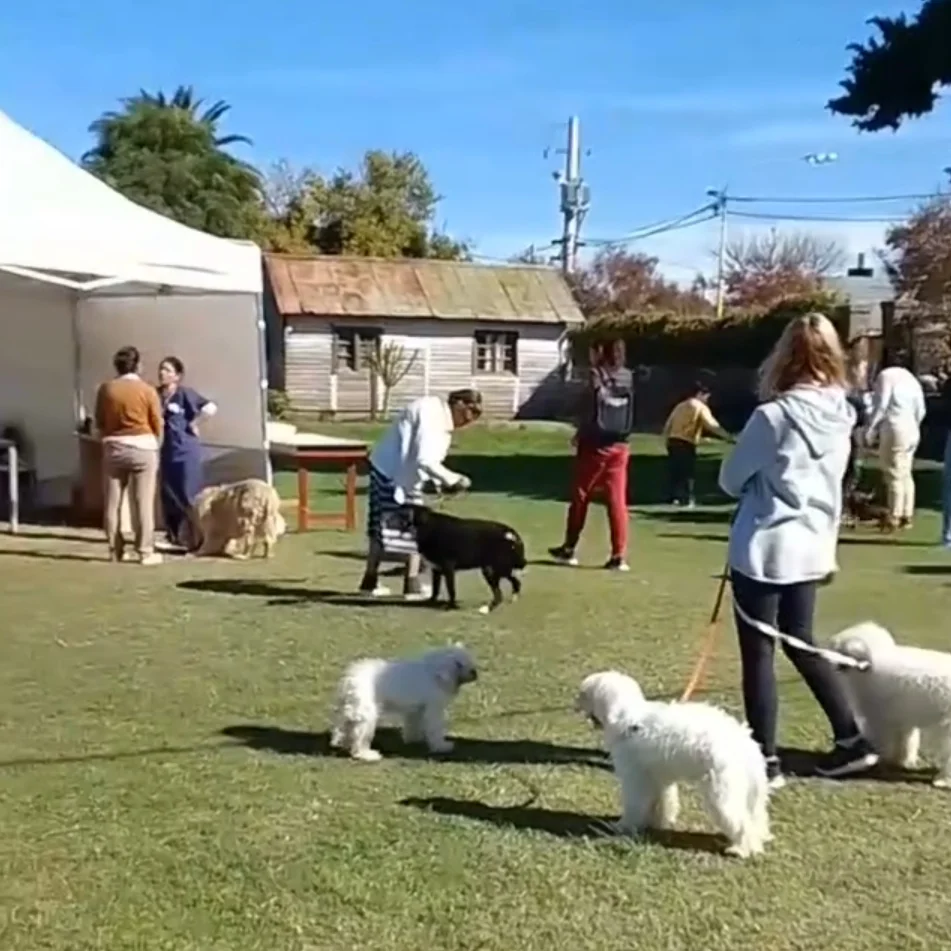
x,y
605,468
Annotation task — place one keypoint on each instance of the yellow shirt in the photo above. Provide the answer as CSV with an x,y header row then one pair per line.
x,y
688,420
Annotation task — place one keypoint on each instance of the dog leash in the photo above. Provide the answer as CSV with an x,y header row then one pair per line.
x,y
709,640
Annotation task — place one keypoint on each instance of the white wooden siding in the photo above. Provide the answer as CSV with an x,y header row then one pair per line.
x,y
444,362
307,355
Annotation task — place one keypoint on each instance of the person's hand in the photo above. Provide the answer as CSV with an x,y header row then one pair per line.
x,y
574,439
193,428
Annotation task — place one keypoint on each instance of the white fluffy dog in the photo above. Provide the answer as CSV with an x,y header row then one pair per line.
x,y
418,690
655,745
904,697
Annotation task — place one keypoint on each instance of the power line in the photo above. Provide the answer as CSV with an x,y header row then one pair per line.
x,y
788,199
828,218
658,227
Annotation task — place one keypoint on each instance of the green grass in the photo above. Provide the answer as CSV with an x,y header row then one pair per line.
x,y
129,820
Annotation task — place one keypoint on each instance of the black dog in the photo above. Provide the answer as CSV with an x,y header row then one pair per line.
x,y
453,544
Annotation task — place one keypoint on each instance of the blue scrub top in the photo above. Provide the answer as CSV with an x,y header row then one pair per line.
x,y
180,410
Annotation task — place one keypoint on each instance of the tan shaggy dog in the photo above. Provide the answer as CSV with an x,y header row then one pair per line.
x,y
234,519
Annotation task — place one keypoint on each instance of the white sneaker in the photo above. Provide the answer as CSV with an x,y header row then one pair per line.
x,y
380,591
152,558
424,593
617,564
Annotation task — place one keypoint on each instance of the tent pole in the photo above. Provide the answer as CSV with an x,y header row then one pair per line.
x,y
262,365
79,411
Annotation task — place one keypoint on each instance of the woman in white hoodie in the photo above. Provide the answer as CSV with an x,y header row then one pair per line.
x,y
786,470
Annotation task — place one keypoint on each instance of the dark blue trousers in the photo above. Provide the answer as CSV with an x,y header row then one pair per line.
x,y
181,482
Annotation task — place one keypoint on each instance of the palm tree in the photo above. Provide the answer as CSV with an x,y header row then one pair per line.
x,y
183,99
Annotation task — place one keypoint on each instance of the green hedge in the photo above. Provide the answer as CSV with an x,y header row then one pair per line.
x,y
736,340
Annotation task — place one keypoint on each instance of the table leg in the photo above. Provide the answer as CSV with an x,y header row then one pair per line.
x,y
351,510
13,487
303,496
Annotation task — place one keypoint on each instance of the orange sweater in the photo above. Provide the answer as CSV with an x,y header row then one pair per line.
x,y
128,406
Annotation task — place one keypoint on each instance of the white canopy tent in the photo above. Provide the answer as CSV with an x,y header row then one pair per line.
x,y
84,271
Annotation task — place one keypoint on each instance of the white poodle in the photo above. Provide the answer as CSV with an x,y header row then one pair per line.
x,y
418,690
903,696
655,745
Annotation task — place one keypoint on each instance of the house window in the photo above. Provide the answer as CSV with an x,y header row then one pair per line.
x,y
354,348
495,351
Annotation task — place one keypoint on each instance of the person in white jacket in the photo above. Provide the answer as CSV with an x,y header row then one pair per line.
x,y
786,471
412,451
897,413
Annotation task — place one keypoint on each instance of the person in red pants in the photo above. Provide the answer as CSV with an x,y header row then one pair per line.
x,y
605,422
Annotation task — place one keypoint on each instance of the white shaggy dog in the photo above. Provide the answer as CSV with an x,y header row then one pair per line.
x,y
903,698
418,690
655,745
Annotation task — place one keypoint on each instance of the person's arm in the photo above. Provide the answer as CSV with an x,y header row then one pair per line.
x,y
156,423
665,432
432,445
755,445
883,394
711,425
100,410
921,407
198,408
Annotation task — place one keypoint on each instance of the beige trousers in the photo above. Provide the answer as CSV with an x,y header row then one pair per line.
x,y
896,453
134,470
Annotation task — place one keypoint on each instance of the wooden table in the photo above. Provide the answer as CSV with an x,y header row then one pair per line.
x,y
308,448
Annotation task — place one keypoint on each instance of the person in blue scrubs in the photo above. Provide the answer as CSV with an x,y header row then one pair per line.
x,y
180,463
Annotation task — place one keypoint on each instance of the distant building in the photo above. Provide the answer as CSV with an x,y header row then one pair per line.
x,y
869,295
501,329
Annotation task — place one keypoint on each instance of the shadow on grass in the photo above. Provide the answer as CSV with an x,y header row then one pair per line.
x,y
284,595
803,764
390,743
556,822
927,569
51,555
80,758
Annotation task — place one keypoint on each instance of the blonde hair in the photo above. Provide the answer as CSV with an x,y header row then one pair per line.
x,y
809,351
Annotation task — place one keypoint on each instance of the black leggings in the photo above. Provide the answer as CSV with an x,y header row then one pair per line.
x,y
681,466
789,607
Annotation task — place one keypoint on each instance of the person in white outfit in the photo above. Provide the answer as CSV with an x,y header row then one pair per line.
x,y
409,453
897,413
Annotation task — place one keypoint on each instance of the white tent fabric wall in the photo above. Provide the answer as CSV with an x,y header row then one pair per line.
x,y
84,271
36,377
216,337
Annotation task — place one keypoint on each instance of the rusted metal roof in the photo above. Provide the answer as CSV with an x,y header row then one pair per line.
x,y
402,287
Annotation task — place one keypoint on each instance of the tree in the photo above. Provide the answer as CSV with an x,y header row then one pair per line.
x,y
530,255
765,269
390,364
166,154
384,209
918,254
894,75
618,283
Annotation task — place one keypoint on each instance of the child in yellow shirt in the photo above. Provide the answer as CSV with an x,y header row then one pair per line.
x,y
685,427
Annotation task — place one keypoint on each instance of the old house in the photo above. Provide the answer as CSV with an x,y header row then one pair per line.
x,y
446,324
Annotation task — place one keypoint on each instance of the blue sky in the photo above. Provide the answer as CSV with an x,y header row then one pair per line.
x,y
673,99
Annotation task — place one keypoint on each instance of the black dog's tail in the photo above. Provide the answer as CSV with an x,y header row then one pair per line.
x,y
518,549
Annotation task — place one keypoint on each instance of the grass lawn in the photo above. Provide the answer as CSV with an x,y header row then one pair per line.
x,y
165,782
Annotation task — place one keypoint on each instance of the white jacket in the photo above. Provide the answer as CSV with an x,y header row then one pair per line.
x,y
899,404
786,470
414,447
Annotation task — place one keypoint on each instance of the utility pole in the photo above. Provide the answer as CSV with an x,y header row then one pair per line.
x,y
720,206
575,197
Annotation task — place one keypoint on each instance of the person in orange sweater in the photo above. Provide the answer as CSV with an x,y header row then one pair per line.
x,y
685,427
129,420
